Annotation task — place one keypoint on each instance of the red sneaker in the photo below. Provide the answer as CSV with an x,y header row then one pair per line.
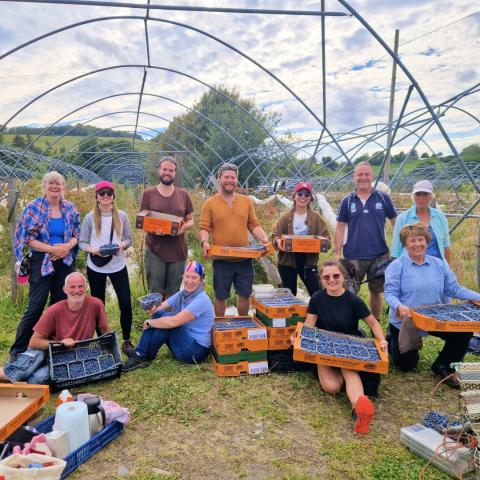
x,y
364,412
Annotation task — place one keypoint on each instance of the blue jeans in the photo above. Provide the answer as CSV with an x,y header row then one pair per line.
x,y
28,366
178,340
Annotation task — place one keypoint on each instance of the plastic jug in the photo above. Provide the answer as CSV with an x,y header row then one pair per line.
x,y
72,418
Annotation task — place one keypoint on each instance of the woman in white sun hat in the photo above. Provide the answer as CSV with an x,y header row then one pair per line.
x,y
432,218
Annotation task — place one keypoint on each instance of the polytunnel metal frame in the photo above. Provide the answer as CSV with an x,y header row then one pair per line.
x,y
395,126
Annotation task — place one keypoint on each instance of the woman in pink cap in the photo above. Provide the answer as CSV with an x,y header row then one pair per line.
x,y
108,227
300,220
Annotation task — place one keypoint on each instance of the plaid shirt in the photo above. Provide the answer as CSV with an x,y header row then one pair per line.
x,y
33,225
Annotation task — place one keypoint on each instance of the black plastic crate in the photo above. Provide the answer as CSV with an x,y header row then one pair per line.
x,y
281,361
90,361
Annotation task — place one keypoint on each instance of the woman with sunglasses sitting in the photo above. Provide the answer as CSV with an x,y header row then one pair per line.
x,y
108,225
300,220
338,310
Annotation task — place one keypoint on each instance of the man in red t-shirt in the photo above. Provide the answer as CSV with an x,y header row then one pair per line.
x,y
67,321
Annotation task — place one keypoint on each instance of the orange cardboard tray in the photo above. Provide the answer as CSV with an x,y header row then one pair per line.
x,y
279,343
280,332
430,324
158,223
340,362
280,311
18,403
218,252
303,243
236,345
240,368
254,333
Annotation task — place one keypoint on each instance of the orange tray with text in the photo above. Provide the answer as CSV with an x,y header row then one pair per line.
x,y
460,317
240,368
303,243
281,305
158,223
237,328
367,356
219,252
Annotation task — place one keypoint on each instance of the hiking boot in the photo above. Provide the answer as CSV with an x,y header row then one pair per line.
x,y
128,348
133,363
363,415
448,375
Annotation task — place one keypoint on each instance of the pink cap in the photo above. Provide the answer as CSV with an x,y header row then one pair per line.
x,y
104,184
22,279
303,186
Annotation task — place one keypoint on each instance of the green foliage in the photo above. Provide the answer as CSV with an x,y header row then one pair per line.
x,y
204,142
471,153
19,141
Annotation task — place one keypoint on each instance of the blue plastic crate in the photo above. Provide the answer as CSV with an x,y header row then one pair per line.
x,y
88,449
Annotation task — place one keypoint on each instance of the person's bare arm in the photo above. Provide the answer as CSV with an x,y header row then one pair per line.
x,y
170,322
392,221
339,235
39,342
187,225
259,233
377,331
448,255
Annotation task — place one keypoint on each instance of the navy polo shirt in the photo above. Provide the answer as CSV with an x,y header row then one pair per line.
x,y
366,224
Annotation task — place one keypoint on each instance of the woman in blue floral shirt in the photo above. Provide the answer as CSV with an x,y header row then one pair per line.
x,y
50,227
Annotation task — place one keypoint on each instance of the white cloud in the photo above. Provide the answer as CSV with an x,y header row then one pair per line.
x,y
358,68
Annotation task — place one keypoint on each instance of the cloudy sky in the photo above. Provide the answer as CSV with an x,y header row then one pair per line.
x,y
440,45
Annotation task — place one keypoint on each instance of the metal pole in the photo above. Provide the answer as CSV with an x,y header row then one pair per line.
x,y
386,173
12,221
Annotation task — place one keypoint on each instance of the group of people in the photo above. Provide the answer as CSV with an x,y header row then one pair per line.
x,y
50,227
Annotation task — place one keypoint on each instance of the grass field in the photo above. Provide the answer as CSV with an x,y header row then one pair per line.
x,y
68,142
189,424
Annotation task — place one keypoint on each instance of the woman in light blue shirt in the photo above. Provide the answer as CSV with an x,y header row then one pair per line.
x,y
415,279
432,218
184,322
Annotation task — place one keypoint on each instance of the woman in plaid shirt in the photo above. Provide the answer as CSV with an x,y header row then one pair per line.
x,y
50,227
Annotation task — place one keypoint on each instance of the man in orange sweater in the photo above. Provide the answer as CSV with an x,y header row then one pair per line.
x,y
226,218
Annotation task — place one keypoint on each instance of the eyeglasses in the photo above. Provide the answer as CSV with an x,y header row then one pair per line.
x,y
109,193
335,276
303,194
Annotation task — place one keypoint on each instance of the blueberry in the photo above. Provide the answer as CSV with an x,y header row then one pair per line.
x,y
308,345
106,362
60,371
91,366
76,369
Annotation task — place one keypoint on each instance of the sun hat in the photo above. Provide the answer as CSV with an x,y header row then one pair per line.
x,y
104,184
423,186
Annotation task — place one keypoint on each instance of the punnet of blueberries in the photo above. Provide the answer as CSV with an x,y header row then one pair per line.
x,y
462,312
109,249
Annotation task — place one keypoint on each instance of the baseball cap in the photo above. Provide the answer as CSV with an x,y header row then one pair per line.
x,y
194,266
104,184
303,186
423,186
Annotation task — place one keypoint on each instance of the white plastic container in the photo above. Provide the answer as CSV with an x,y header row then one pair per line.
x,y
72,418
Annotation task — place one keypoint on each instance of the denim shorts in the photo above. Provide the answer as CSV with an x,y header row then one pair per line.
x,y
29,366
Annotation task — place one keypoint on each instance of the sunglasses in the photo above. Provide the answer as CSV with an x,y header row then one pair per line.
x,y
303,194
335,276
109,193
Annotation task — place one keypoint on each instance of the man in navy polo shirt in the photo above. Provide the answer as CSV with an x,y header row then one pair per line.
x,y
365,211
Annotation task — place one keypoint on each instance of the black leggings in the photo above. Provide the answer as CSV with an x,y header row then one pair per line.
x,y
40,288
454,349
309,275
121,285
